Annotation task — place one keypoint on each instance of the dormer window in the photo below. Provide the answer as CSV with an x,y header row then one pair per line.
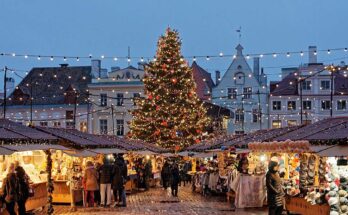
x,y
239,78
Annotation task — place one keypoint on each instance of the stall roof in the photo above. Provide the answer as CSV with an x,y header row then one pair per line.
x,y
4,151
32,147
12,130
324,130
107,151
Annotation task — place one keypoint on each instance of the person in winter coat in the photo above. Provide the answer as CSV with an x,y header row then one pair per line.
x,y
23,189
165,174
175,180
105,178
120,174
9,190
90,181
275,194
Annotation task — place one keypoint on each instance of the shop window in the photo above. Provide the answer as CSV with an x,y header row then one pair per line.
x,y
120,127
239,116
247,91
276,124
83,126
69,114
256,115
291,105
277,105
307,105
341,105
103,126
231,93
136,96
292,123
325,85
56,124
325,105
103,100
119,99
306,85
43,124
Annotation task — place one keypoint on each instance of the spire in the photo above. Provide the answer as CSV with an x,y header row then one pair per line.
x,y
239,49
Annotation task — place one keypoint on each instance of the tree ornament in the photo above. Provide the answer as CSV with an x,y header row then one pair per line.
x,y
164,123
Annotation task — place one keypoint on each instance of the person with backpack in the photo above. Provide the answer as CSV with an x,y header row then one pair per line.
x,y
9,190
23,189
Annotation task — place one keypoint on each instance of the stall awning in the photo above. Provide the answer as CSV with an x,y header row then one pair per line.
x,y
4,151
187,153
107,151
168,155
144,152
82,153
32,147
204,155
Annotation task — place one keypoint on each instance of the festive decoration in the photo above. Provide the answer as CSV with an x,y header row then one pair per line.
x,y
176,106
282,146
50,186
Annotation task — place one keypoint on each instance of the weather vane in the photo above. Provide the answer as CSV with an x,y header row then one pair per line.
x,y
239,31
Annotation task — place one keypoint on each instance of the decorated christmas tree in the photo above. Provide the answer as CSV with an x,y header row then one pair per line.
x,y
170,115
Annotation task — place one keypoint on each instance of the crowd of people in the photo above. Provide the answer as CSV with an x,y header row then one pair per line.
x,y
102,181
15,189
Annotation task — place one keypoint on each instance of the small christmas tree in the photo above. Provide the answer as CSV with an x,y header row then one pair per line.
x,y
170,115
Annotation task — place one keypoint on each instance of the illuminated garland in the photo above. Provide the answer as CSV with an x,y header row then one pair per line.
x,y
50,186
171,115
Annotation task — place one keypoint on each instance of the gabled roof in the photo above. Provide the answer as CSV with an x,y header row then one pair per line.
x,y
203,80
50,84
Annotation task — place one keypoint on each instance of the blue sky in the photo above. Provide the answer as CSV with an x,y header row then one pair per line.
x,y
207,27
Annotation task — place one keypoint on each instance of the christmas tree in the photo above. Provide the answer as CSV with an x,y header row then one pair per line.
x,y
170,115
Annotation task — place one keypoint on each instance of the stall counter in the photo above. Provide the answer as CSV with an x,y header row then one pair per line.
x,y
301,206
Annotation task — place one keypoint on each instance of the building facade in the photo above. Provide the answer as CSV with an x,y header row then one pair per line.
x,y
244,91
303,96
52,96
112,98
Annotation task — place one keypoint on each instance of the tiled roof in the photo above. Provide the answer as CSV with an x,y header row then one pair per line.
x,y
199,75
50,84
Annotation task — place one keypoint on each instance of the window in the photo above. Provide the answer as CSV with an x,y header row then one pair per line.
x,y
276,124
307,105
136,96
239,78
231,93
103,126
56,124
292,123
119,99
69,114
256,115
69,125
341,105
277,105
120,127
247,91
239,132
83,126
103,100
306,85
325,85
325,105
291,105
239,115
43,124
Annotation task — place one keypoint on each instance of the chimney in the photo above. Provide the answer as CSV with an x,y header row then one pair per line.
x,y
312,55
256,67
64,65
96,68
217,77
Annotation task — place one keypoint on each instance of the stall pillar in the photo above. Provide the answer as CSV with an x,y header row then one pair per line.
x,y
50,186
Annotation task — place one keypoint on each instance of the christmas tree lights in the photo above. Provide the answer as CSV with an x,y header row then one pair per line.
x,y
171,115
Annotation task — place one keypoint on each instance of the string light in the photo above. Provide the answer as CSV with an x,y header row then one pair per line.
x,y
115,58
288,54
51,58
274,55
39,57
25,56
301,53
328,51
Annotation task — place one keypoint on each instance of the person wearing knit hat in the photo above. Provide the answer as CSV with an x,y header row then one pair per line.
x,y
275,194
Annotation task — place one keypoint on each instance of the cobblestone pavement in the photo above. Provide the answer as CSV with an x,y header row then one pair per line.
x,y
159,201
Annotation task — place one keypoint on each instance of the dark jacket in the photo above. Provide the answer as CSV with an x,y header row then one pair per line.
x,y
175,179
165,173
274,188
105,174
120,174
23,184
9,188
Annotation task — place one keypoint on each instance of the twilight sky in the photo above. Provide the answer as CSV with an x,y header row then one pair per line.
x,y
207,27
